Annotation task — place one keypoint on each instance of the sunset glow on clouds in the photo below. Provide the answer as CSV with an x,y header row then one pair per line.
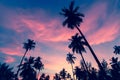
x,y
17,24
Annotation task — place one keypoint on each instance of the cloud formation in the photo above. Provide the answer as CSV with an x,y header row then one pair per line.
x,y
9,59
99,27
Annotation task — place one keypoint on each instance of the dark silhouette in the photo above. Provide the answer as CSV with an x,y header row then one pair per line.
x,y
77,45
27,46
42,77
56,77
104,65
116,49
63,74
115,71
38,65
28,70
73,20
70,58
6,73
69,77
80,74
47,77
94,74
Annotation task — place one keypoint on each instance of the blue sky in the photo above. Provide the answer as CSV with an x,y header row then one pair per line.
x,y
40,20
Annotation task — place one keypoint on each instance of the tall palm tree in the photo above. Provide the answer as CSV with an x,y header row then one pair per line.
x,y
70,58
73,19
30,44
6,72
77,45
116,49
27,70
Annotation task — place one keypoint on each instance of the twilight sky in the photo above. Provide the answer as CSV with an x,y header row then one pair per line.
x,y
40,20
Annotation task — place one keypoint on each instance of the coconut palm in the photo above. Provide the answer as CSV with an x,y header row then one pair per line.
x,y
69,76
115,64
116,49
30,44
6,72
42,77
77,45
80,74
38,65
27,70
73,19
56,77
70,58
63,74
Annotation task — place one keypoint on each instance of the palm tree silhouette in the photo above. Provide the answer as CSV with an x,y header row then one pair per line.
x,y
47,77
115,64
27,70
30,44
63,74
77,45
38,65
56,77
69,77
6,73
73,20
70,58
79,73
116,49
42,77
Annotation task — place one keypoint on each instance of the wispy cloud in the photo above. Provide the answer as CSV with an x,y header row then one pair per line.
x,y
9,59
99,26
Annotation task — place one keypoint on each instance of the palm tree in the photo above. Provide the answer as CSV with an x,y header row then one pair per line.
x,y
56,77
42,77
63,74
27,70
116,49
115,64
79,73
69,76
27,46
6,73
77,45
73,20
70,58
38,65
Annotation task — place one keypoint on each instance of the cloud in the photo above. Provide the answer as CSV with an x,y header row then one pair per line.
x,y
109,32
9,59
11,51
100,26
51,36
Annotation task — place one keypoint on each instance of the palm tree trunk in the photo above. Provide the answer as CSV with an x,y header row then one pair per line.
x,y
21,63
88,73
72,71
84,62
95,57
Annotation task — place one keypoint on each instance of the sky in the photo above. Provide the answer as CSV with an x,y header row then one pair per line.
x,y
40,20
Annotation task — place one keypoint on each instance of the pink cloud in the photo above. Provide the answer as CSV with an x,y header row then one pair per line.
x,y
9,59
98,33
52,34
107,33
95,12
10,51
